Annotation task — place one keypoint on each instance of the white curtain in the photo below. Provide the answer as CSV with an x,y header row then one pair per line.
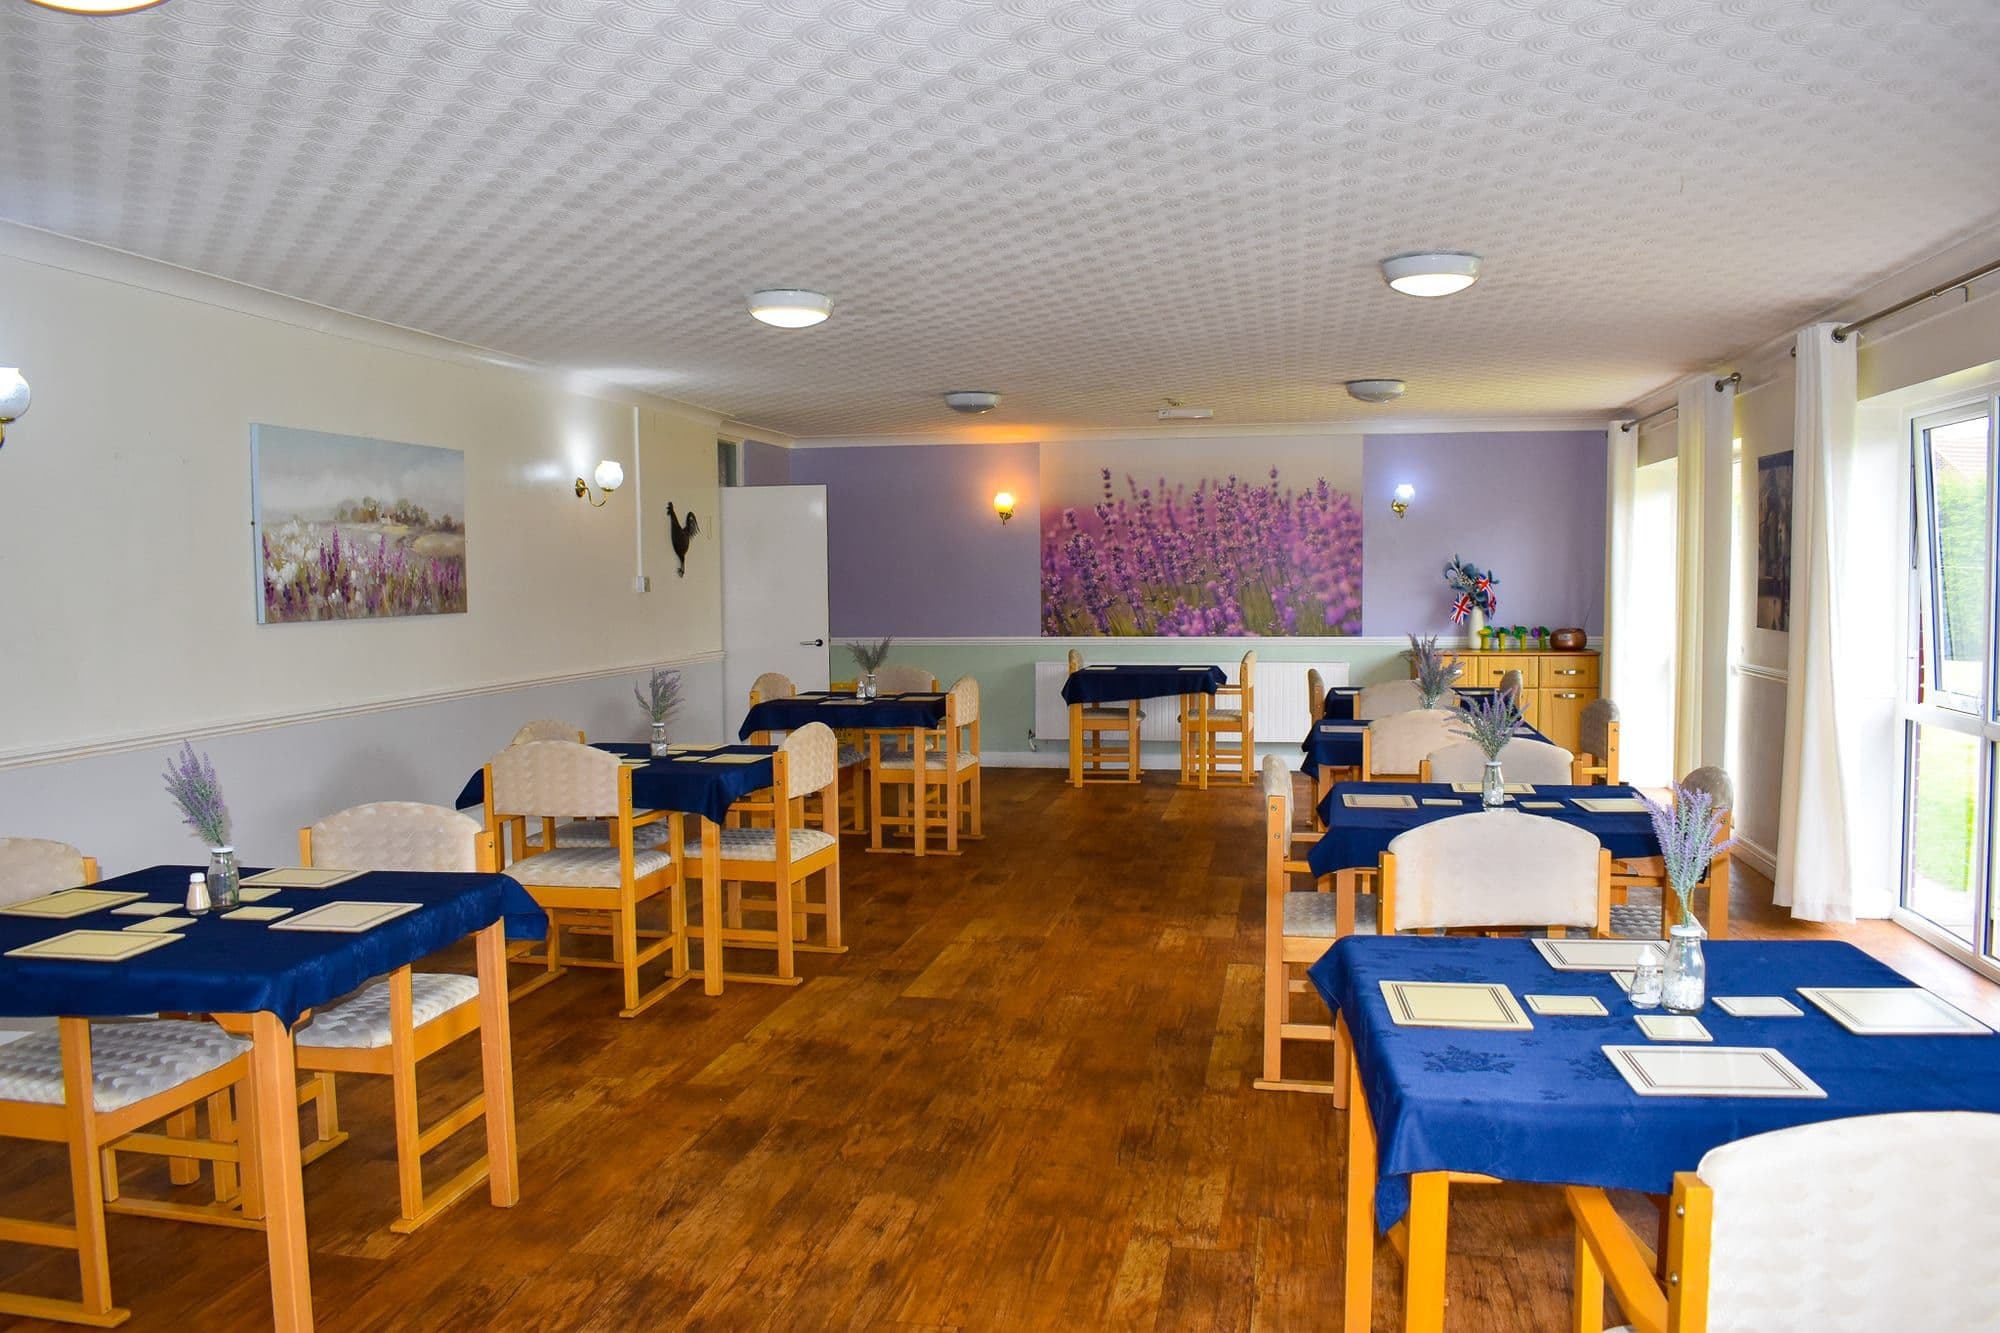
x,y
1621,451
1706,426
1838,809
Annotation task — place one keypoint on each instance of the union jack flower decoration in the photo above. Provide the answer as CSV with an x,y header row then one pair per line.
x,y
1474,587
1460,610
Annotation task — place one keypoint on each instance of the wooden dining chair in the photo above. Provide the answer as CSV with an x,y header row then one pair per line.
x,y
31,867
1650,872
1102,721
948,798
94,1087
1315,695
1386,699
1299,927
785,855
1512,685
548,729
1393,748
393,1023
901,678
1521,760
853,760
1843,1226
1207,730
1494,870
1597,744
594,890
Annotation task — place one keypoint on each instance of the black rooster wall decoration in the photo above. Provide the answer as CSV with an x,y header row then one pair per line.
x,y
683,533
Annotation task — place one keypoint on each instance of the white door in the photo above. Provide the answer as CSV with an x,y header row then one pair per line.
x,y
773,590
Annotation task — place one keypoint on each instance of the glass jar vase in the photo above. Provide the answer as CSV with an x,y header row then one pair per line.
x,y
867,690
224,879
658,742
1686,986
1492,787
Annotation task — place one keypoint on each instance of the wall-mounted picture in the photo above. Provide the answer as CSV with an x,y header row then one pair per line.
x,y
1152,538
1774,542
349,528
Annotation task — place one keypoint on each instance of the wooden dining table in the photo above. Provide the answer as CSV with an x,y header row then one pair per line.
x,y
252,978
911,717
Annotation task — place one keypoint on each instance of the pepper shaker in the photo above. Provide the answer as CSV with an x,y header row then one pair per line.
x,y
197,895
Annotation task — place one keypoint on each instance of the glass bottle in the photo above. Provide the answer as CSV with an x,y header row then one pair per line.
x,y
224,890
1648,979
1492,787
868,685
658,743
1686,987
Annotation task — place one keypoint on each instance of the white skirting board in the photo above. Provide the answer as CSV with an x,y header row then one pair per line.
x,y
1280,693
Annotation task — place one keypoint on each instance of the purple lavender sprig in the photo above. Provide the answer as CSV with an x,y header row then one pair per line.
x,y
870,656
1433,674
661,698
191,782
1490,722
1687,829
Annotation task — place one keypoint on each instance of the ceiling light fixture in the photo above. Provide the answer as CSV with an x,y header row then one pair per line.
x,y
98,8
1176,411
971,401
14,398
1375,391
790,307
1431,273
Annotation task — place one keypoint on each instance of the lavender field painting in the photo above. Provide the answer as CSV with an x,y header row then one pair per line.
x,y
349,528
1138,538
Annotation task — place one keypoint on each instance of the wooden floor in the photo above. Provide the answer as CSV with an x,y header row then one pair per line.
x,y
1022,1101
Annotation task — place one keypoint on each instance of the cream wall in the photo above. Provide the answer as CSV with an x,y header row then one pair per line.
x,y
127,576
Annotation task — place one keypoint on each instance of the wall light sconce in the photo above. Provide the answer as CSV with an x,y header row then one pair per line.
x,y
610,476
1400,502
1003,505
13,398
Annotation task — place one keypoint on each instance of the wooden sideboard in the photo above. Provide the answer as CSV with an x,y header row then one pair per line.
x,y
1555,686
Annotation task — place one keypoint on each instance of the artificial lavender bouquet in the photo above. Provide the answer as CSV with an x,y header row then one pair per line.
x,y
661,697
1490,723
1687,828
192,783
1434,675
870,656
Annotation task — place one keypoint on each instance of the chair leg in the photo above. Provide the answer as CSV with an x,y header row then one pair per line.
x,y
403,1094
978,802
180,1170
832,891
86,1166
627,941
222,1128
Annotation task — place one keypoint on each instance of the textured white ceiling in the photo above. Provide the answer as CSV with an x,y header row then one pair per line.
x,y
1087,205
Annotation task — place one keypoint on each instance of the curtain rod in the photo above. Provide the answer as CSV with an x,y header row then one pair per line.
x,y
1840,335
1734,377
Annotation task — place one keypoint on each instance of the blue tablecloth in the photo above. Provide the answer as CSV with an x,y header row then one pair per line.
x,y
1340,699
234,967
1122,684
1336,743
1355,839
677,782
1547,1106
887,712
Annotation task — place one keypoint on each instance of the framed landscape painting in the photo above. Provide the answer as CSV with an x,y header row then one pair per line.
x,y
349,528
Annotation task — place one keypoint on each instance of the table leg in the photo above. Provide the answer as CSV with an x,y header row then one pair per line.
x,y
1423,1271
1718,899
919,784
1132,739
1076,745
1207,746
496,1064
711,906
1346,883
1359,1266
274,1080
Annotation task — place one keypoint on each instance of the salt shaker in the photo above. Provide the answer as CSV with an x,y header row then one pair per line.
x,y
1649,979
197,897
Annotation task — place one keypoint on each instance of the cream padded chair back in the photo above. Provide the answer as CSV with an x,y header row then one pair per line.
x,y
1396,696
1075,660
1855,1226
1495,868
1594,728
546,729
555,778
1716,782
396,835
1400,742
904,680
812,759
31,867
773,685
1278,782
1521,760
1315,694
1512,683
965,698
1246,667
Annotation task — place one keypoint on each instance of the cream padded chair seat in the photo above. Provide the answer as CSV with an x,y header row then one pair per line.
x,y
589,833
1311,915
129,1062
966,759
761,844
361,1021
850,755
585,867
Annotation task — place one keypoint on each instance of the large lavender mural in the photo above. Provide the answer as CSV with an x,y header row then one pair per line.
x,y
351,528
1157,548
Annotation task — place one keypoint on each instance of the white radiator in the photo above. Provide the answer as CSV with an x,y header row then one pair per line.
x,y
1281,701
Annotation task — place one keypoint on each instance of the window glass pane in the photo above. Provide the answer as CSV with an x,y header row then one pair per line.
x,y
1957,456
1944,799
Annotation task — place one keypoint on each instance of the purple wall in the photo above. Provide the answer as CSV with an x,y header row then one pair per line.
x,y
1527,505
913,545
764,464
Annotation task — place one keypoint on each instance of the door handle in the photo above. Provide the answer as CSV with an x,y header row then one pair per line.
x,y
812,643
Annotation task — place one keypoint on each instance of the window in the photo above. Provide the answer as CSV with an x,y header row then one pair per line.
x,y
1949,715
